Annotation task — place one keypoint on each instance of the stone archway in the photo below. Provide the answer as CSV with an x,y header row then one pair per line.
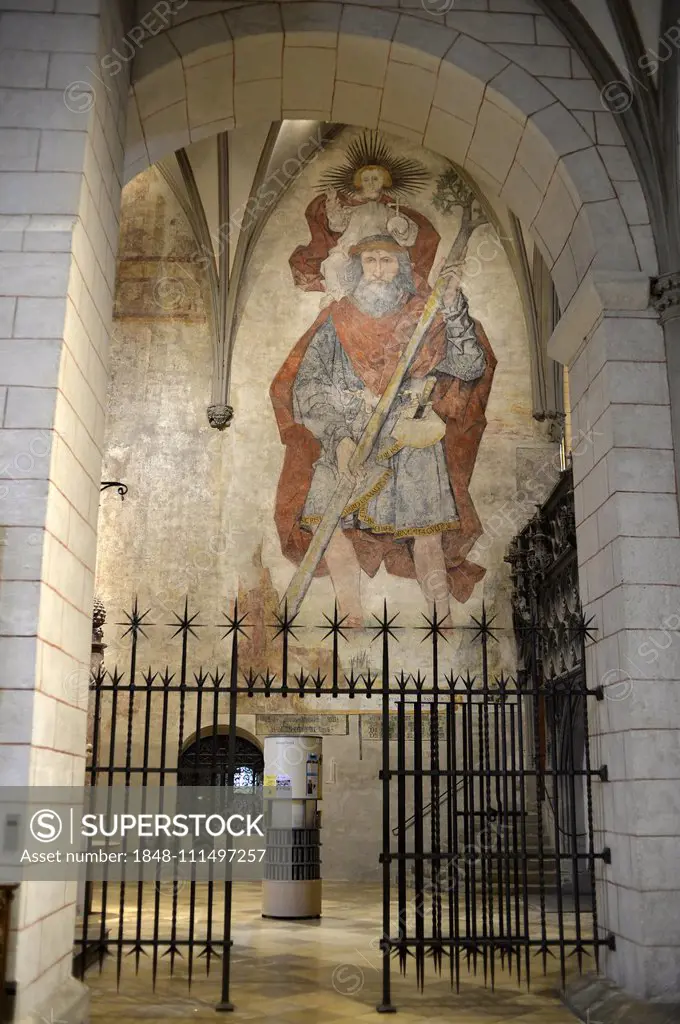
x,y
524,142
527,142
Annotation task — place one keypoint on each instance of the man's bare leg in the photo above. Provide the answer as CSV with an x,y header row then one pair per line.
x,y
343,566
428,555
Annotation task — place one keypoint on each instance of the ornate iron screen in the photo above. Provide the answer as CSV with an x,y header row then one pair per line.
x,y
6,894
473,878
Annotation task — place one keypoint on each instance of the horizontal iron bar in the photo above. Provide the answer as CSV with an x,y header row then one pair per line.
x,y
497,943
530,855
292,690
96,937
483,773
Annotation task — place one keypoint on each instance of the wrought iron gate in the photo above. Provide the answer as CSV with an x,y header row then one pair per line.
x,y
477,881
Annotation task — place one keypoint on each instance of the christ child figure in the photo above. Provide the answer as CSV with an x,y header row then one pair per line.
x,y
364,196
371,217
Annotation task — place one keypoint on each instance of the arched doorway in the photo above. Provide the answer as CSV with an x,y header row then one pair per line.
x,y
204,762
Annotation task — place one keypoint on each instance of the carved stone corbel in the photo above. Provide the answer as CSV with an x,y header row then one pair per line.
x,y
666,295
220,416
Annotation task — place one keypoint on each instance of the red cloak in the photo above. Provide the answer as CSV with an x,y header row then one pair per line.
x,y
305,263
373,347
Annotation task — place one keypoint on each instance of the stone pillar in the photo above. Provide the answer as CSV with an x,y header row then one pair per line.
x,y
629,568
666,299
61,157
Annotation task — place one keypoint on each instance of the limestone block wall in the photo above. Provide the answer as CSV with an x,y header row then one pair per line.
x,y
629,556
61,157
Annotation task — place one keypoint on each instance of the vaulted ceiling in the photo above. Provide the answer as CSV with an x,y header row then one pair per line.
x,y
630,47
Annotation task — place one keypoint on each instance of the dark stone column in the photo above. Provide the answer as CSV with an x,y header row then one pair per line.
x,y
666,301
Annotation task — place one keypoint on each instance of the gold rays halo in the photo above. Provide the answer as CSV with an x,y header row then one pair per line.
x,y
403,176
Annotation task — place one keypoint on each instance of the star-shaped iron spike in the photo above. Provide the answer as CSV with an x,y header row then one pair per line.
x,y
250,679
184,623
135,621
301,678
385,626
584,628
433,626
285,623
369,681
167,677
402,681
217,678
149,677
484,626
318,679
268,680
451,681
117,677
98,677
234,623
335,624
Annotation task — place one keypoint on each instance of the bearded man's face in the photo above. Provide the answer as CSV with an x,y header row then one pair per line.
x,y
381,289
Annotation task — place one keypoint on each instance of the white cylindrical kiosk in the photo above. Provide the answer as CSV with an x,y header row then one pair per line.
x,y
292,780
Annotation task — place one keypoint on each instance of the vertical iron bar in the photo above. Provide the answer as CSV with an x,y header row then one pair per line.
x,y
435,823
199,781
523,825
503,843
540,787
215,780
115,683
401,827
469,831
517,850
128,776
589,805
557,832
145,779
173,950
386,1004
482,777
284,654
453,876
336,652
97,684
88,889
225,1005
161,783
419,838
574,837
502,864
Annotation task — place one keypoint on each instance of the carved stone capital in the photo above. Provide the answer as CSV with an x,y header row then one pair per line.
x,y
666,295
220,416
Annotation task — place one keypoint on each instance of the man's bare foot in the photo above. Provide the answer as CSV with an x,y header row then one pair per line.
x,y
354,621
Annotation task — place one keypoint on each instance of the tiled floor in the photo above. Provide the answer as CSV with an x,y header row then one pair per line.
x,y
314,972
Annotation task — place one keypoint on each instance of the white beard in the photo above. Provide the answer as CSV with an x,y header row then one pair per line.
x,y
378,298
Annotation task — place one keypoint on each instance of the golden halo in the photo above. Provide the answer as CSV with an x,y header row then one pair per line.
x,y
369,150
